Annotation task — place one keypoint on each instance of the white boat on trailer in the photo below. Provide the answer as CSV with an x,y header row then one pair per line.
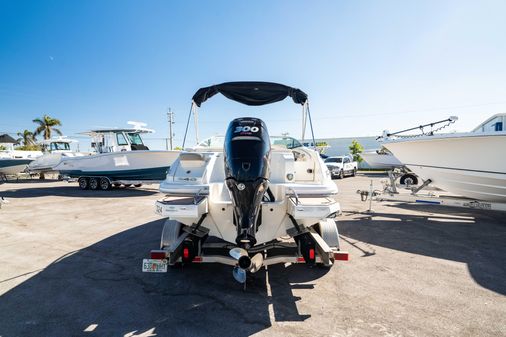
x,y
14,162
250,201
471,166
381,159
53,150
121,158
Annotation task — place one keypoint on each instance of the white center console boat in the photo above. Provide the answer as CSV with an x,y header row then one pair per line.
x,y
470,164
13,162
53,151
121,158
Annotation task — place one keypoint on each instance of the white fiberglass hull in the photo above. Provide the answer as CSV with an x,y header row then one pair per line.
x,y
380,161
13,166
48,161
13,162
125,165
472,165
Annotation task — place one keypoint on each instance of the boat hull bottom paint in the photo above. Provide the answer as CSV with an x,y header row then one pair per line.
x,y
157,174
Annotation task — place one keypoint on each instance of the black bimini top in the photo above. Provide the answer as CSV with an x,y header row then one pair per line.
x,y
251,93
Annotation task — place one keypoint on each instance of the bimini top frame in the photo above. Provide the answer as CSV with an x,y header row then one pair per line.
x,y
251,93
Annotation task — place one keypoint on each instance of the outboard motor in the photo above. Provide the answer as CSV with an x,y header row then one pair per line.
x,y
247,156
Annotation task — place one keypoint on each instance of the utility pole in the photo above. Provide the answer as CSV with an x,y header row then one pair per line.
x,y
170,116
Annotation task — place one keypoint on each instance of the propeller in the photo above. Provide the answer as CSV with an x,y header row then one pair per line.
x,y
245,263
239,274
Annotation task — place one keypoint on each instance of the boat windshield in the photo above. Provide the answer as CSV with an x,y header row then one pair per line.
x,y
216,142
59,146
334,160
135,138
286,142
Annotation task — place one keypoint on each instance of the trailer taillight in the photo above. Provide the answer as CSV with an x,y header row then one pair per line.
x,y
301,259
341,256
158,254
197,259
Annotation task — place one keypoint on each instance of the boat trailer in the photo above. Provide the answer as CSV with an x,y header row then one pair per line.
x,y
182,245
390,192
104,183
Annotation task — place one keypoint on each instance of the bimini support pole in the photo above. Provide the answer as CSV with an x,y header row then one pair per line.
x,y
304,120
196,121
310,123
188,123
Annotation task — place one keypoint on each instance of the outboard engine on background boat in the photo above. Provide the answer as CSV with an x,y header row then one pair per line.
x,y
247,151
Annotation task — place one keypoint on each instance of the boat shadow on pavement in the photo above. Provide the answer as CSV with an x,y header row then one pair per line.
x,y
101,291
75,192
474,237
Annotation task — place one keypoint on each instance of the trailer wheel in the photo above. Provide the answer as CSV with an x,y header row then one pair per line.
x,y
93,183
408,179
327,229
170,233
137,185
84,183
127,185
105,184
116,185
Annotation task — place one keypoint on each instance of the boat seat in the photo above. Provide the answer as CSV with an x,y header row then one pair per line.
x,y
192,159
184,189
310,190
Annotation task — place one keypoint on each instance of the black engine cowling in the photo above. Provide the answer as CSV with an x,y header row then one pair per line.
x,y
247,151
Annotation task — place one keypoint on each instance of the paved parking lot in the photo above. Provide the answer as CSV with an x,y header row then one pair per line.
x,y
71,263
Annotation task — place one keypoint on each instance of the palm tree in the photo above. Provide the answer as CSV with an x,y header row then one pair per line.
x,y
46,126
27,137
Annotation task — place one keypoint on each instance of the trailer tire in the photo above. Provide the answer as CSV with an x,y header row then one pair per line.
x,y
94,183
127,185
327,229
84,183
408,179
137,185
105,184
170,233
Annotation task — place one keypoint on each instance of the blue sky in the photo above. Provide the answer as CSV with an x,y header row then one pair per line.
x,y
366,65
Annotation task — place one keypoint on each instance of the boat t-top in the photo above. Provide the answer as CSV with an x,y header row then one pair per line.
x,y
120,158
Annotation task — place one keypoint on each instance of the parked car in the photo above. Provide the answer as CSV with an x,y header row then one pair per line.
x,y
341,166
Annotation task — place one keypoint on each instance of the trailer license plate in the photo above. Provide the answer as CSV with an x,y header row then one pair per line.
x,y
154,266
